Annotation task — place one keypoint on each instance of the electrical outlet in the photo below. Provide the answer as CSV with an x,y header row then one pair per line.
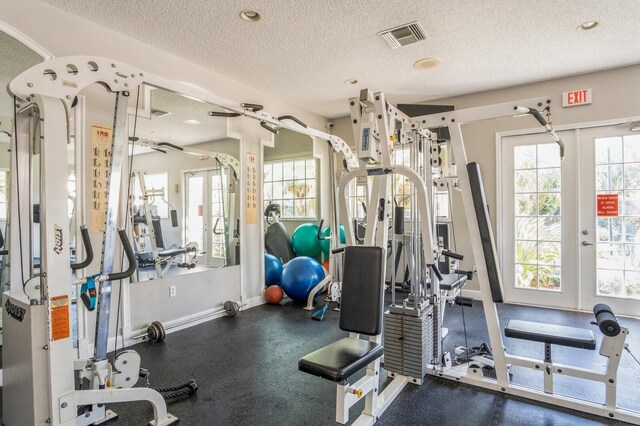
x,y
172,291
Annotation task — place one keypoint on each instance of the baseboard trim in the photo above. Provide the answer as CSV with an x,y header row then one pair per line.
x,y
180,323
474,294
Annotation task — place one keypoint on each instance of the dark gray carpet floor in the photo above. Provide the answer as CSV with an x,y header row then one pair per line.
x,y
246,369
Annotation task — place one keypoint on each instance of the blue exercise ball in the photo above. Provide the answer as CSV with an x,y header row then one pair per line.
x,y
299,277
272,270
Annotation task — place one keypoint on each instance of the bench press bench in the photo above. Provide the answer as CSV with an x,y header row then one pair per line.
x,y
573,337
361,308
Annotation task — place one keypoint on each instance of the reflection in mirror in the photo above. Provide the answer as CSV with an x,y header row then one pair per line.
x,y
291,193
16,58
184,193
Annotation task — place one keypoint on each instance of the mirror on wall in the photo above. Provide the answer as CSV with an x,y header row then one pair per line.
x,y
185,193
291,182
16,58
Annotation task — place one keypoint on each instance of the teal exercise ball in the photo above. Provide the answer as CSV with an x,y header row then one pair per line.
x,y
272,270
326,244
305,240
300,276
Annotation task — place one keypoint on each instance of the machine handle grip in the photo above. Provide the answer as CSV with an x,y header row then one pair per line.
x,y
224,114
437,272
86,242
215,227
606,320
131,258
264,125
320,236
338,250
448,253
179,148
252,107
292,118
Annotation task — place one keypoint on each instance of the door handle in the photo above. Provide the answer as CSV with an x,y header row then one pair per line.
x,y
586,243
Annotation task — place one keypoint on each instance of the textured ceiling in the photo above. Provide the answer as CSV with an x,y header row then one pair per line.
x,y
14,58
172,128
303,51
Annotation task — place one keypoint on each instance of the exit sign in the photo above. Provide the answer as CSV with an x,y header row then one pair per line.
x,y
576,97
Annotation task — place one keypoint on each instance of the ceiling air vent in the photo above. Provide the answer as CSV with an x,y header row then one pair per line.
x,y
404,35
158,113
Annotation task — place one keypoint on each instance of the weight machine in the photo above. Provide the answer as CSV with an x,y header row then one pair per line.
x,y
412,327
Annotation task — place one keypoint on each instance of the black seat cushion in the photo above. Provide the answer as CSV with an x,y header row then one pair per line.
x,y
339,360
451,281
550,333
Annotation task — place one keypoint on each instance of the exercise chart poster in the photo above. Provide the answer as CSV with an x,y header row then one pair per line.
x,y
100,163
252,189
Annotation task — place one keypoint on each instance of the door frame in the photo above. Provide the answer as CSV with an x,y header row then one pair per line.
x,y
499,175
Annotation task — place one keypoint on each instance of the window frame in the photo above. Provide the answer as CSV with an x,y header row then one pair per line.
x,y
315,196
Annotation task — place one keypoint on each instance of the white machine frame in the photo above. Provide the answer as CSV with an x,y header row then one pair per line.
x,y
611,347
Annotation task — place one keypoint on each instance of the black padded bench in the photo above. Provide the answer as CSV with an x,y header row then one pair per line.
x,y
451,281
360,312
551,334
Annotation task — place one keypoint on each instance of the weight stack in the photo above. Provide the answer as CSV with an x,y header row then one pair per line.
x,y
408,343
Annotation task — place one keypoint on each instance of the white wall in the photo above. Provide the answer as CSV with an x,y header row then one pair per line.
x,y
616,94
66,34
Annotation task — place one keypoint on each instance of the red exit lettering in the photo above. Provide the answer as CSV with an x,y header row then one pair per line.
x,y
576,97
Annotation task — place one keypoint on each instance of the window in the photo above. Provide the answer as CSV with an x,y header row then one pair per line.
x,y
292,184
618,252
154,181
402,187
538,231
357,196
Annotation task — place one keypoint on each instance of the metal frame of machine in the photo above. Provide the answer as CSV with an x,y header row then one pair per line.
x,y
612,345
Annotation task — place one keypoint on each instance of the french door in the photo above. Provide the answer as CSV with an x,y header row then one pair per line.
x,y
610,218
570,229
206,205
539,207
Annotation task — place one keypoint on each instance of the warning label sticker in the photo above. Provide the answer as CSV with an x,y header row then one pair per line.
x,y
607,205
60,327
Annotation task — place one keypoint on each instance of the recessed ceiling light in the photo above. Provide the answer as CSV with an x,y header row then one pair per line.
x,y
589,25
351,81
250,15
191,121
427,63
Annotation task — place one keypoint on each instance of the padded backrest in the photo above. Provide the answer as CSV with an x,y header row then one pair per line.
x,y
362,294
486,233
278,243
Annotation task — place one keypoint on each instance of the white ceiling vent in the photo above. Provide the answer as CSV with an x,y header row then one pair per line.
x,y
158,113
404,35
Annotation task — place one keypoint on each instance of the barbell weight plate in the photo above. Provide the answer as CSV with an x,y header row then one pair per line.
x,y
161,332
151,333
231,308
